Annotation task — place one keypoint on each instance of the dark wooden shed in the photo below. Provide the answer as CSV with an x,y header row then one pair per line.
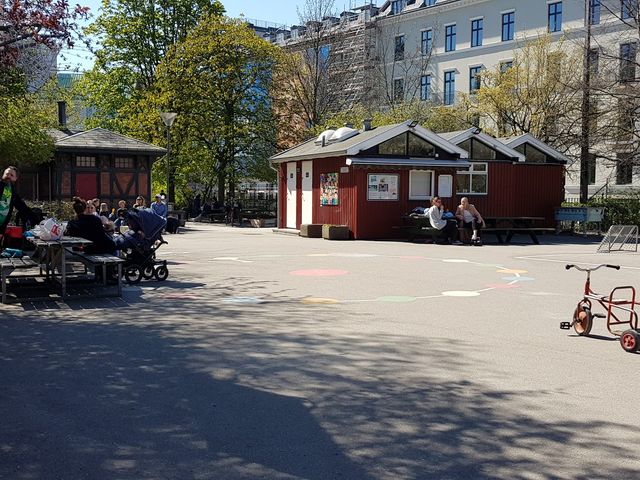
x,y
93,163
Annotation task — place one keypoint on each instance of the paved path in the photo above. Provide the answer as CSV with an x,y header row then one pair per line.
x,y
270,356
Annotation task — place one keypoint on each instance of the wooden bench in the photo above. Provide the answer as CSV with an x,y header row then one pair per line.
x,y
102,260
533,233
415,231
8,265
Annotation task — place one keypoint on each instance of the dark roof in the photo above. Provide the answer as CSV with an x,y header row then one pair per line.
x,y
100,139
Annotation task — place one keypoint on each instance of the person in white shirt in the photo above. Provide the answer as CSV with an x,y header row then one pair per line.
x,y
470,218
448,229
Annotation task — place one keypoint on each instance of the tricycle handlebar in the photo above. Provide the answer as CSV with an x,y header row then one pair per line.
x,y
583,269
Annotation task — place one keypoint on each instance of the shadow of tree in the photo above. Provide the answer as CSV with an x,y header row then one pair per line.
x,y
200,388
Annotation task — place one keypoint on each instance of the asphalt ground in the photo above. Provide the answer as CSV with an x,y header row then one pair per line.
x,y
270,356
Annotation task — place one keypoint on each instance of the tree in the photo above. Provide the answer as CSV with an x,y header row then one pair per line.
x,y
134,36
218,80
40,22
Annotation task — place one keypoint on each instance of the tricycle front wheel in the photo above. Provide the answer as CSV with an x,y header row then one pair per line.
x,y
582,320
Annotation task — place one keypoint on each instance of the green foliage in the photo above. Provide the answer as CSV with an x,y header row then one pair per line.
x,y
617,210
23,138
59,210
218,80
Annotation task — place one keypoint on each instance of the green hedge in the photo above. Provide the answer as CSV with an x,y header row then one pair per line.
x,y
618,210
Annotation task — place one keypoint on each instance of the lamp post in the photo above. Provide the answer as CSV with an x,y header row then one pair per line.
x,y
168,118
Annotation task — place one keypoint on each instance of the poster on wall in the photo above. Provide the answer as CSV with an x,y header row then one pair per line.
x,y
329,188
382,186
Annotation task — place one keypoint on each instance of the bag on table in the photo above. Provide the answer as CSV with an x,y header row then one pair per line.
x,y
50,230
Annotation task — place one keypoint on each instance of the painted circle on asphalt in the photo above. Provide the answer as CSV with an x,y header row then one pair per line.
x,y
501,286
510,270
460,293
320,301
318,273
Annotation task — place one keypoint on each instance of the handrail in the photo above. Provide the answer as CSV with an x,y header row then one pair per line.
x,y
604,187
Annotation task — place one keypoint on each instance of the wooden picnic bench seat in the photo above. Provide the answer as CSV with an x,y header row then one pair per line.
x,y
102,260
415,231
533,232
8,265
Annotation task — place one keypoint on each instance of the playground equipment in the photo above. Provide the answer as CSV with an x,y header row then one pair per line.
x,y
619,311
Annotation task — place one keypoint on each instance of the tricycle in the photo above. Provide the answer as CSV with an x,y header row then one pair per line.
x,y
619,306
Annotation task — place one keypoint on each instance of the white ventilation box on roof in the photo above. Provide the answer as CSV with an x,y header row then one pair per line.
x,y
342,134
325,137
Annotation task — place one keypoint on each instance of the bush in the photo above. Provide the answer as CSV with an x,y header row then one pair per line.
x,y
617,210
60,210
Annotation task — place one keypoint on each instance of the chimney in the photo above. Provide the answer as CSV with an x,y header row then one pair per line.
x,y
366,124
62,114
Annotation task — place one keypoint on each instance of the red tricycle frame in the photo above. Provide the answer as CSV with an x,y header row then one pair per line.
x,y
616,309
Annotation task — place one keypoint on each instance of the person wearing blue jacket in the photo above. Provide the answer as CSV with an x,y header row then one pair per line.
x,y
159,207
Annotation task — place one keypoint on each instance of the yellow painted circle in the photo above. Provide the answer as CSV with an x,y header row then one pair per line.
x,y
509,270
320,301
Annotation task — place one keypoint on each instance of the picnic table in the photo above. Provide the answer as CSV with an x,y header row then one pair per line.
x,y
51,254
510,226
8,265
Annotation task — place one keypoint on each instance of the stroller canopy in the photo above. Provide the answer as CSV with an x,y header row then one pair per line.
x,y
147,221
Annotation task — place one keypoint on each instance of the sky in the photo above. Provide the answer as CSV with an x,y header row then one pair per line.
x,y
275,11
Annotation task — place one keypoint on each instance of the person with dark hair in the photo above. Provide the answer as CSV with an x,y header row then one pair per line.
x,y
88,225
139,203
448,229
9,199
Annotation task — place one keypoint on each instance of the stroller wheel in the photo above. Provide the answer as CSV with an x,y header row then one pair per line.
x,y
162,273
133,274
148,272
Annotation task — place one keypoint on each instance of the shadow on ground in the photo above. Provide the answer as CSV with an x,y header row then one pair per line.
x,y
216,391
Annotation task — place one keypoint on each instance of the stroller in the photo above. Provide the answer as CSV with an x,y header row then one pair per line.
x,y
138,246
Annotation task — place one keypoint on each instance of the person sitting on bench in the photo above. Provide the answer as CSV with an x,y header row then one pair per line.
x,y
88,225
470,219
448,229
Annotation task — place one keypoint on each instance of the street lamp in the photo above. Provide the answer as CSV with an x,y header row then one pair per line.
x,y
168,118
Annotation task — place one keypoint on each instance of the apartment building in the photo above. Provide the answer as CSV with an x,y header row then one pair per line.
x,y
433,50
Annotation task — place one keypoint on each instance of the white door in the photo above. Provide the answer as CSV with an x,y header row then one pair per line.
x,y
307,192
291,195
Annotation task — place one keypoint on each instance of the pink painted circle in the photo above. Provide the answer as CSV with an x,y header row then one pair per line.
x,y
318,273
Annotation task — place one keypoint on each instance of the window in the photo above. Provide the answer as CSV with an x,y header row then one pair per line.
x,y
628,9
398,90
473,180
449,87
123,162
394,146
508,26
450,38
476,32
403,145
624,170
425,87
398,6
594,12
86,162
506,65
420,184
627,116
594,61
427,42
430,3
399,48
418,147
474,79
591,169
628,62
554,17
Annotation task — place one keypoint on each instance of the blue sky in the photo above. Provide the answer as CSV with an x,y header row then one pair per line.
x,y
276,11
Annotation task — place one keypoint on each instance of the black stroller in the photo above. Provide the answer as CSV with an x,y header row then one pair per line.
x,y
138,246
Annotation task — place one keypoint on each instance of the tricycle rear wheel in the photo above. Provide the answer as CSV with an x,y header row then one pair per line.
x,y
630,341
582,320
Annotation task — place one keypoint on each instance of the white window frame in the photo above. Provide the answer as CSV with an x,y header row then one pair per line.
x,y
431,185
470,172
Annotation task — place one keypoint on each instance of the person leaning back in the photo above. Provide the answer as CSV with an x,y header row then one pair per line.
x,y
9,199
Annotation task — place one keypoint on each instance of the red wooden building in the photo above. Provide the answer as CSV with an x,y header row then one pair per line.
x,y
93,163
367,179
